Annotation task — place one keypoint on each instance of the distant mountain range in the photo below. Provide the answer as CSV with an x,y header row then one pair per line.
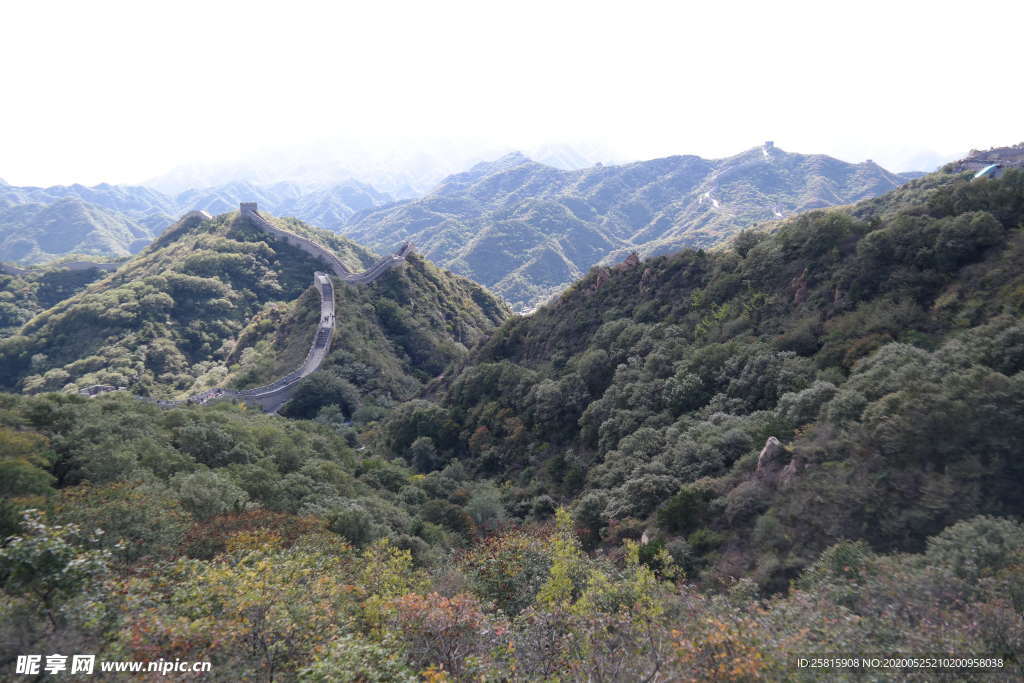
x,y
404,169
527,230
310,184
40,224
37,233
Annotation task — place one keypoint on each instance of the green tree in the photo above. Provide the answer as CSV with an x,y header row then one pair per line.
x,y
48,565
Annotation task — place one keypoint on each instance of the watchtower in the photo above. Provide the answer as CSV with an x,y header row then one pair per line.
x,y
247,208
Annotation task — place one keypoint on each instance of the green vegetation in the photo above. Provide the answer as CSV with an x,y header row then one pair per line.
x,y
700,467
885,352
214,299
391,338
881,345
527,230
297,558
24,296
40,224
38,233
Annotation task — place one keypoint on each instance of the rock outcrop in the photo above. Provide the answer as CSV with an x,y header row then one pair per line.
x,y
771,457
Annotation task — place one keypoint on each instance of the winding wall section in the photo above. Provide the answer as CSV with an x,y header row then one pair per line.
x,y
274,395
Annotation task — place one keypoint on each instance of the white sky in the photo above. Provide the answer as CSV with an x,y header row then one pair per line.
x,y
122,91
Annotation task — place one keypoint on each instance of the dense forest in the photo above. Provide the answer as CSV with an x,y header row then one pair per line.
x,y
700,466
880,347
25,295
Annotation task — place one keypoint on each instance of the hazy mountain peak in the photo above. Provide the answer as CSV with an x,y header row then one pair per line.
x,y
507,161
527,230
1012,156
514,158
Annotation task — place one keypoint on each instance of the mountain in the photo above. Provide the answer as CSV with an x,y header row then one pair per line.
x,y
41,224
212,299
137,202
328,207
36,233
527,230
856,374
976,159
700,466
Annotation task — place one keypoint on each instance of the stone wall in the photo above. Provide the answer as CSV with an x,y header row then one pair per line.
x,y
272,396
1009,157
249,210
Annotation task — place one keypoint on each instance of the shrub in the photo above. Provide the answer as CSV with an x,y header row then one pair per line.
x,y
355,659
684,512
508,569
354,522
207,493
977,547
705,540
136,519
47,565
441,631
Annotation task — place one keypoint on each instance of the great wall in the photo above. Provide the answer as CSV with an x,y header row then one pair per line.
x,y
272,396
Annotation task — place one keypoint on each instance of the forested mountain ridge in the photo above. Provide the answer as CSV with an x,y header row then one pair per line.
x,y
39,233
527,230
39,224
881,344
130,200
169,320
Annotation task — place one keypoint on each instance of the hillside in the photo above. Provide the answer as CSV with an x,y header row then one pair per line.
x,y
38,233
168,322
702,466
526,230
27,293
882,354
139,203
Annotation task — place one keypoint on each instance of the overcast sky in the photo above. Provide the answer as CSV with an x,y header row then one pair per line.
x,y
122,91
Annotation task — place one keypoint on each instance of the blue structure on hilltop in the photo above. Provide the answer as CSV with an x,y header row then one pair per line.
x,y
990,171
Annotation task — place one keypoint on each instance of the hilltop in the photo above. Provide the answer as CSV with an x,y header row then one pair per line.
x,y
1008,157
210,298
527,230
